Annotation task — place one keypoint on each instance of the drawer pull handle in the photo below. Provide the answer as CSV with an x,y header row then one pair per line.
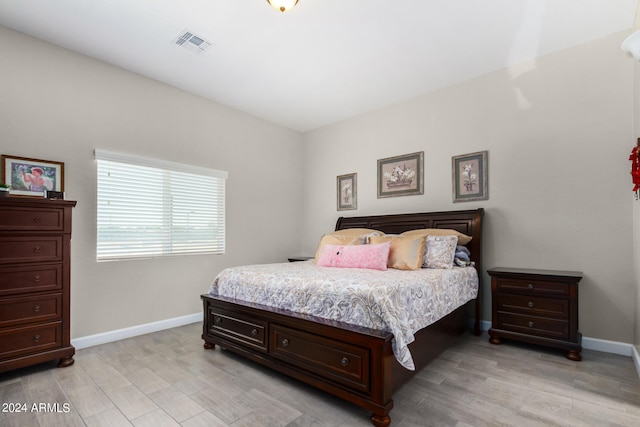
x,y
36,249
36,308
530,286
36,338
531,324
36,219
530,304
254,332
36,278
218,319
285,342
344,361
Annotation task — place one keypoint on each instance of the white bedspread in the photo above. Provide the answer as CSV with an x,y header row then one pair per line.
x,y
397,301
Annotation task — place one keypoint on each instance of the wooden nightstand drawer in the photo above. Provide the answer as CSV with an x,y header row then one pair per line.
x,y
39,308
531,325
534,306
532,287
31,278
30,249
29,219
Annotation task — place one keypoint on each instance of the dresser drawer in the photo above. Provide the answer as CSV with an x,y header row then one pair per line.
x,y
335,360
532,287
244,330
531,325
32,278
30,339
30,249
557,308
30,219
32,309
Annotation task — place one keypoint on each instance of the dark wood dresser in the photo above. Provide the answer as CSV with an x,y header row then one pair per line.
x,y
536,306
35,237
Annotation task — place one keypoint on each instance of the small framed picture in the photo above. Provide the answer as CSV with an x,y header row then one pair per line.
x,y
401,175
53,195
470,177
32,177
347,191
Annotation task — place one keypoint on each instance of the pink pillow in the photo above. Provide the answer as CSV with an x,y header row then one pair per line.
x,y
374,257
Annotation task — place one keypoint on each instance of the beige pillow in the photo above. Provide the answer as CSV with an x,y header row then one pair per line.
x,y
332,239
362,233
463,239
407,252
355,232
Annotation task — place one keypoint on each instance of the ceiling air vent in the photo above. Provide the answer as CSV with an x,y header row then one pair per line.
x,y
192,42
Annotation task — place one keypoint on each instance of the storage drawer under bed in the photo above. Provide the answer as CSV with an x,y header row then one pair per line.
x,y
237,328
335,360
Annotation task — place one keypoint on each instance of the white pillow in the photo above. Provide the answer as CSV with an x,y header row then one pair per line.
x,y
441,250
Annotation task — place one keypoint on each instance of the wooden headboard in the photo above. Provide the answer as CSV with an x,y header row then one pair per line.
x,y
468,222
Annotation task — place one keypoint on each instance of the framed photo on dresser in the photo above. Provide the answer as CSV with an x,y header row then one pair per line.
x,y
32,177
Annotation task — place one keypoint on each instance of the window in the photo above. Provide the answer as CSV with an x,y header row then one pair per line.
x,y
150,208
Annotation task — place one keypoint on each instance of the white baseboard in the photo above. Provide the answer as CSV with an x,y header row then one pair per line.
x,y
614,347
133,331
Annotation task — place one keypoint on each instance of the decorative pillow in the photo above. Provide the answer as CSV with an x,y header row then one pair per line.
x,y
373,257
407,252
463,239
332,239
440,251
362,233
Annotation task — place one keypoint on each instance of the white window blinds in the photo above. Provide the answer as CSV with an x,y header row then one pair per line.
x,y
150,208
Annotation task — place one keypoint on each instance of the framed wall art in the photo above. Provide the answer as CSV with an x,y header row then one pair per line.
x,y
32,177
401,175
470,177
347,191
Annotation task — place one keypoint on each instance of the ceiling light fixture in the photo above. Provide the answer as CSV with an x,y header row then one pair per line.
x,y
282,5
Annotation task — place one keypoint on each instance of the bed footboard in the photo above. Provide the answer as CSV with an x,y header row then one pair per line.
x,y
352,363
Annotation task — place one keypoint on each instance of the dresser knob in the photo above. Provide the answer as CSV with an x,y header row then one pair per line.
x,y
530,286
285,342
36,249
36,338
254,332
36,219
344,361
218,319
530,304
36,308
36,278
531,324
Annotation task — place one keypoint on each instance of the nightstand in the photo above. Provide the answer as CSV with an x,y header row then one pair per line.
x,y
299,258
536,306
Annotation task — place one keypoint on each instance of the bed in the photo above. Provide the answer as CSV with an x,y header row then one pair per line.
x,y
354,363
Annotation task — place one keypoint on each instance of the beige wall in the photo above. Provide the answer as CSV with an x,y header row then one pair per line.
x,y
58,105
558,132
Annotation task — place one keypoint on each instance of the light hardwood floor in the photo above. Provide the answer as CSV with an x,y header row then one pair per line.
x,y
168,379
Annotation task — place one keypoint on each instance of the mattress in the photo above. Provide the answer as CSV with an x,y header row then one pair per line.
x,y
397,301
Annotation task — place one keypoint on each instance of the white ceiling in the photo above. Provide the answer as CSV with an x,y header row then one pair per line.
x,y
324,61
